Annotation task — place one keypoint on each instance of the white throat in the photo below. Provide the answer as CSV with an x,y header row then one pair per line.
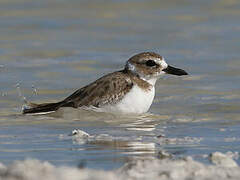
x,y
151,81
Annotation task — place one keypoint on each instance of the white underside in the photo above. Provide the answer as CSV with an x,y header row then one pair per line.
x,y
136,101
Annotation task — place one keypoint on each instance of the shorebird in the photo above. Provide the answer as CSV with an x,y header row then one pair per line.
x,y
130,90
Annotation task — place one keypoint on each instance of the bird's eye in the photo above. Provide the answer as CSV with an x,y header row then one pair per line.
x,y
150,63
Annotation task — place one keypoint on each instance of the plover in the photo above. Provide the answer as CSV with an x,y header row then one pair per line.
x,y
130,90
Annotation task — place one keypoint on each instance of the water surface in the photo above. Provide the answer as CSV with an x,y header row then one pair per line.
x,y
48,49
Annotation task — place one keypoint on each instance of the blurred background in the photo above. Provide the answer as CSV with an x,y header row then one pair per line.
x,y
48,49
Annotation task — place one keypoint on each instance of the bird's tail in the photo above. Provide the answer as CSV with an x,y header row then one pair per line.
x,y
41,108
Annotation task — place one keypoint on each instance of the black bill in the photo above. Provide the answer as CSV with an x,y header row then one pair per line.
x,y
175,71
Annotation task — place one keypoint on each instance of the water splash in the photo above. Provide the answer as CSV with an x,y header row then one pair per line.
x,y
27,103
22,97
20,94
34,90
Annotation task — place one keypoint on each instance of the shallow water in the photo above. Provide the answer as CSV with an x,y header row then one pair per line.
x,y
48,49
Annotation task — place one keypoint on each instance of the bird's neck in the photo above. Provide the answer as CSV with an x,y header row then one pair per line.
x,y
146,84
151,81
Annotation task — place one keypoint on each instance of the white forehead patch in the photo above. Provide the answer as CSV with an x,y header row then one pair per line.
x,y
163,63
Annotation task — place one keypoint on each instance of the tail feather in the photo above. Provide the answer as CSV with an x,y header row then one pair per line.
x,y
42,108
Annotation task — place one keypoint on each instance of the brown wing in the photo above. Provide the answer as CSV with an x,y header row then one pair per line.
x,y
106,90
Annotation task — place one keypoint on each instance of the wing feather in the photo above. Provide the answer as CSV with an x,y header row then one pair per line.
x,y
107,90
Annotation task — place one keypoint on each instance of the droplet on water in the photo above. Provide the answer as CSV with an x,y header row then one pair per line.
x,y
20,93
34,90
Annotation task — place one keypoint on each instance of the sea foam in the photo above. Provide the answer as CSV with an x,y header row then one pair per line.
x,y
143,168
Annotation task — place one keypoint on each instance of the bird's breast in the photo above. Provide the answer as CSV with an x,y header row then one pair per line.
x,y
137,100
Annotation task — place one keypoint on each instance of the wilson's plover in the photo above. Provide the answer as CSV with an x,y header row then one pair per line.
x,y
130,90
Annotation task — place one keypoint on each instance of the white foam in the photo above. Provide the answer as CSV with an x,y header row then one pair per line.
x,y
140,168
221,159
79,133
79,136
31,169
